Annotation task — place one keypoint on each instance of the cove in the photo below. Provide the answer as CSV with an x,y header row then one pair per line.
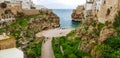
x,y
65,18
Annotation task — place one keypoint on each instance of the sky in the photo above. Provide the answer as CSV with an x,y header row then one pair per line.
x,y
60,4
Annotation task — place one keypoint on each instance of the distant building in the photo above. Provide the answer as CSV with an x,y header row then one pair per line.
x,y
26,4
88,8
1,0
97,5
89,4
39,7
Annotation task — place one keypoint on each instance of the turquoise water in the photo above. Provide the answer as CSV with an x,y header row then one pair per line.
x,y
65,18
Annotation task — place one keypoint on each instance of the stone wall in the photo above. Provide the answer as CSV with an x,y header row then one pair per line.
x,y
7,43
30,11
36,11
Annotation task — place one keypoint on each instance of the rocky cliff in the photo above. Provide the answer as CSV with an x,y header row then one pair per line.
x,y
9,12
108,10
25,27
100,32
77,14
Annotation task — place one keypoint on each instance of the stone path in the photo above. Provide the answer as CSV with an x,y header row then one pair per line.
x,y
47,51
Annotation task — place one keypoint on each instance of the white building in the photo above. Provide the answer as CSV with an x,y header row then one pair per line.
x,y
39,7
88,7
26,4
97,5
1,1
89,4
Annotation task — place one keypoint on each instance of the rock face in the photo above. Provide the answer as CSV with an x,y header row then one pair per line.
x,y
47,22
77,14
98,26
10,11
7,42
12,7
105,32
36,24
28,22
108,10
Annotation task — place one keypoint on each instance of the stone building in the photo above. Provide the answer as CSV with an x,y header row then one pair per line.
x,y
88,6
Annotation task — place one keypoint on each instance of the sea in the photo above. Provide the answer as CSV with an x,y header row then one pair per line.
x,y
65,18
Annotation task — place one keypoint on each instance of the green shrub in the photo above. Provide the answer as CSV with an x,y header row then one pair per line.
x,y
116,23
72,34
114,42
100,26
72,56
59,56
70,47
104,50
116,54
34,50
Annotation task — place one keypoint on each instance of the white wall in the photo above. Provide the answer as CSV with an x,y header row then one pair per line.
x,y
11,53
98,4
88,6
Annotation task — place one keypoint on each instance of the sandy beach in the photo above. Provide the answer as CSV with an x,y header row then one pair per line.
x,y
57,32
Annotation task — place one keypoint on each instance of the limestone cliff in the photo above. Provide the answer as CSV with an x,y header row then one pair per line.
x,y
10,11
108,10
98,26
27,22
77,14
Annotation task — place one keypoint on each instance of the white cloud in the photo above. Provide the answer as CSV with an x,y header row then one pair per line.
x,y
60,3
